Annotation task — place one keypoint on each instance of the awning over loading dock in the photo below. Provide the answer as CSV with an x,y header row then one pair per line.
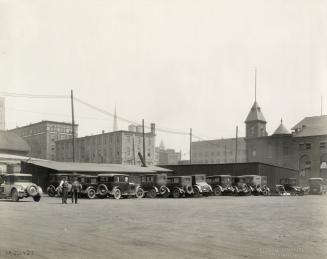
x,y
95,168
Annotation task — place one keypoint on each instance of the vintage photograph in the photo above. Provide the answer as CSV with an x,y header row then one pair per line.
x,y
163,129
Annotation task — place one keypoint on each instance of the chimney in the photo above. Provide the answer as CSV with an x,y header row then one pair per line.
x,y
153,128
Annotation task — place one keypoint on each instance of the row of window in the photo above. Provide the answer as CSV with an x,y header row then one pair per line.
x,y
217,153
307,146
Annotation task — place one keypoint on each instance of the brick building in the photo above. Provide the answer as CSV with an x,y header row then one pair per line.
x,y
218,151
117,147
41,137
303,149
167,156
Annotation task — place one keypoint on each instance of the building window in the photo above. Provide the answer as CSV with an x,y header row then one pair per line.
x,y
301,146
285,150
322,144
307,146
254,151
252,131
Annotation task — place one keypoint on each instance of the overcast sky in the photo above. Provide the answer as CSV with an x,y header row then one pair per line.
x,y
178,63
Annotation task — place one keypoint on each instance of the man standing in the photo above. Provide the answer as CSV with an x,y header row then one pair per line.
x,y
64,188
76,189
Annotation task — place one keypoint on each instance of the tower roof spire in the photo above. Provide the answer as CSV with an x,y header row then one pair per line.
x,y
255,84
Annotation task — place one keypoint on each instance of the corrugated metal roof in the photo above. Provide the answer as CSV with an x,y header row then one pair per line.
x,y
93,167
311,126
255,114
13,142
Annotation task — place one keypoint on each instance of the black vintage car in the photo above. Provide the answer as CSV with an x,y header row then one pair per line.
x,y
290,185
89,185
317,186
257,184
118,186
200,186
180,186
220,184
155,185
54,181
240,186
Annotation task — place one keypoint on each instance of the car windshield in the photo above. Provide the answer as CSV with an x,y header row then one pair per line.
x,y
200,178
23,178
162,179
186,180
241,180
225,179
315,181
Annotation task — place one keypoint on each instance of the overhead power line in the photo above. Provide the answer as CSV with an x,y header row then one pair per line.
x,y
24,95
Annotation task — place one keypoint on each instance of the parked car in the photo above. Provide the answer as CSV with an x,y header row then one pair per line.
x,y
180,186
317,186
118,186
18,186
290,185
54,181
257,184
220,184
279,190
155,185
200,186
240,186
89,185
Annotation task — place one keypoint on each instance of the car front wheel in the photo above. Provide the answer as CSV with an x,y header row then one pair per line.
x,y
217,191
117,194
152,193
176,193
139,193
91,193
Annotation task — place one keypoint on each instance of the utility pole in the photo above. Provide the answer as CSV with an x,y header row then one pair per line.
x,y
225,154
134,150
143,134
73,123
190,146
236,139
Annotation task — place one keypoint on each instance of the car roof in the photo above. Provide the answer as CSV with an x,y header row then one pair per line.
x,y
17,174
317,178
220,175
179,176
87,175
113,175
249,175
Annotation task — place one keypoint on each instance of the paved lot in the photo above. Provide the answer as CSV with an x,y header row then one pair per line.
x,y
214,227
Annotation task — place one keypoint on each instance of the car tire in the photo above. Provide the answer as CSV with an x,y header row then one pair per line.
x,y
152,193
139,193
91,193
37,198
217,191
51,191
196,192
14,195
117,194
102,190
176,193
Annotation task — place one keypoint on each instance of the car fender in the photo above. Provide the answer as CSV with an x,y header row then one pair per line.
x,y
154,187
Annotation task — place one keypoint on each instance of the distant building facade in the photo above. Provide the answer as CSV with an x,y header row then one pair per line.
x,y
218,151
303,149
41,137
2,114
118,147
168,156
